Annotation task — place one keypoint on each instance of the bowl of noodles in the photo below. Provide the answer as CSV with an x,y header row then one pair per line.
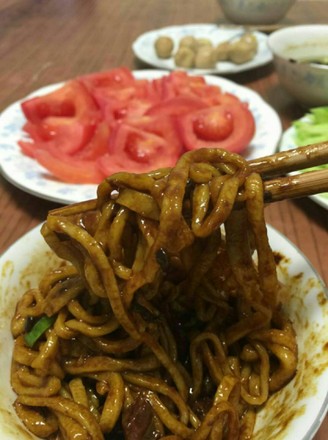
x,y
165,309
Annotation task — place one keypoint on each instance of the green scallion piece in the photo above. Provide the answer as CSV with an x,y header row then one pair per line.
x,y
38,329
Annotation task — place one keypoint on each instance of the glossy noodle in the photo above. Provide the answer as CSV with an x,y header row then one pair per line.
x,y
165,320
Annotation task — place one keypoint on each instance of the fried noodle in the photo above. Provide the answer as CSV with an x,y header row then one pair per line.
x,y
167,310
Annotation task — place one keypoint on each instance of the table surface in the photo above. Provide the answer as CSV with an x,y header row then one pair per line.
x,y
48,41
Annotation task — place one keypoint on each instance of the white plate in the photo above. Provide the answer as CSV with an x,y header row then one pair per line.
x,y
143,47
287,143
295,412
28,175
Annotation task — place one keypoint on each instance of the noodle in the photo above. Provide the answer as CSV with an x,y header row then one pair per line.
x,y
167,312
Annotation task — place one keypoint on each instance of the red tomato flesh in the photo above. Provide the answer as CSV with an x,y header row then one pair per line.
x,y
105,122
213,125
227,126
68,116
68,169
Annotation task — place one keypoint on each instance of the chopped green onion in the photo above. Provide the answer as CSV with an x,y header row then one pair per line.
x,y
38,329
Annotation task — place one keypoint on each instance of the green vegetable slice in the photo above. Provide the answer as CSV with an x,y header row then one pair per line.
x,y
313,127
38,329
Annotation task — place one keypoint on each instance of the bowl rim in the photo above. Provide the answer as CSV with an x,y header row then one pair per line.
x,y
291,29
275,36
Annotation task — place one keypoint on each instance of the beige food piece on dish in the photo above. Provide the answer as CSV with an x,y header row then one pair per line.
x,y
188,41
221,51
240,52
164,47
205,58
185,57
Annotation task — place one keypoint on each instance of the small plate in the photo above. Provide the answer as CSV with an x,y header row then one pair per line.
x,y
295,412
28,175
288,143
143,47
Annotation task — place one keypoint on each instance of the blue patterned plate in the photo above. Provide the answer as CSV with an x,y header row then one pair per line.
x,y
28,175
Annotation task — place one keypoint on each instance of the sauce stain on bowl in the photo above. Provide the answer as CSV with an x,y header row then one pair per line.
x,y
276,420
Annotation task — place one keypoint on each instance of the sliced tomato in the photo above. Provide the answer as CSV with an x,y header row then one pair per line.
x,y
160,125
226,98
227,126
115,110
138,150
163,88
117,78
112,163
176,106
181,80
98,145
110,121
34,131
116,105
72,100
115,90
28,148
193,85
213,126
68,116
112,107
138,107
67,168
153,90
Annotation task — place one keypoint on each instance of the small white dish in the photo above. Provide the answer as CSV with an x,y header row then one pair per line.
x,y
28,175
143,47
295,412
287,142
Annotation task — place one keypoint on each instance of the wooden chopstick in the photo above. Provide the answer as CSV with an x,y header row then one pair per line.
x,y
295,186
291,160
275,189
300,185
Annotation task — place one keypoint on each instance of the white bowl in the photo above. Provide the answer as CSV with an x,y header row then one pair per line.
x,y
293,413
255,11
306,82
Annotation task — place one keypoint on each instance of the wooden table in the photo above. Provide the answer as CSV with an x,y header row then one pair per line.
x,y
48,41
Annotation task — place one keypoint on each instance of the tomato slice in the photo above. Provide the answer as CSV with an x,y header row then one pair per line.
x,y
227,126
191,85
109,121
98,145
34,131
213,126
67,168
116,105
117,78
160,125
176,106
114,91
114,109
28,148
68,116
72,100
136,150
226,98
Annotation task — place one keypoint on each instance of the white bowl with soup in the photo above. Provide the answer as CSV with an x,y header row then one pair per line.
x,y
300,55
